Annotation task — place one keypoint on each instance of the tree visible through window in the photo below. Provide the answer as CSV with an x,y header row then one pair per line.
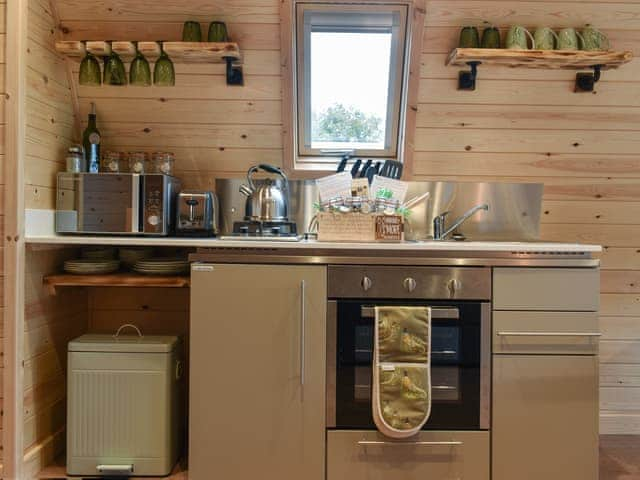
x,y
341,124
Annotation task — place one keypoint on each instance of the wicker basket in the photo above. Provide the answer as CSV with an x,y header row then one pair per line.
x,y
360,227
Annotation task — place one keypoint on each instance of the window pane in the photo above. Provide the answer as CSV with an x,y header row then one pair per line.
x,y
349,89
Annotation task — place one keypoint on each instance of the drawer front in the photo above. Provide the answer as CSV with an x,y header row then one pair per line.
x,y
409,282
355,455
560,289
560,333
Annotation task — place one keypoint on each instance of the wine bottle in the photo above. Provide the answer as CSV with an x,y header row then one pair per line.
x,y
91,142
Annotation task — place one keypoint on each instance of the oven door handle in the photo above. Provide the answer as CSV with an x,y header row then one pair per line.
x,y
452,443
450,313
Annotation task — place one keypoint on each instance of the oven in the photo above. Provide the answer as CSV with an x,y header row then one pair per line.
x,y
459,298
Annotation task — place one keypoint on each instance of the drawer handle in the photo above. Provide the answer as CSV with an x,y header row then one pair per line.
x,y
427,444
548,334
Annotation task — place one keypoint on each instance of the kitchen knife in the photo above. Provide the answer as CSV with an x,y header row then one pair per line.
x,y
355,168
343,164
363,173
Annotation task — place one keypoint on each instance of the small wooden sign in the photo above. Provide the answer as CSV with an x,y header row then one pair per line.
x,y
389,228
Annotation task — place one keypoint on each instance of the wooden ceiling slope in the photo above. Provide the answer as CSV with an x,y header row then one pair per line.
x,y
519,125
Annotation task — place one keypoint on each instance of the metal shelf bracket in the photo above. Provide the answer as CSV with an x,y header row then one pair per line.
x,y
235,75
467,78
586,82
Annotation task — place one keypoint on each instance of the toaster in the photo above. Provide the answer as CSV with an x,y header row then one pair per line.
x,y
197,214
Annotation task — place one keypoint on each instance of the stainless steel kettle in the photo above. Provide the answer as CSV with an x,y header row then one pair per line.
x,y
268,199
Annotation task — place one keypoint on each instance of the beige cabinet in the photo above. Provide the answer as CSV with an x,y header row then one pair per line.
x,y
257,372
545,417
369,455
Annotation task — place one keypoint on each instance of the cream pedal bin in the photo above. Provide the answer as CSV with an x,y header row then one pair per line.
x,y
125,408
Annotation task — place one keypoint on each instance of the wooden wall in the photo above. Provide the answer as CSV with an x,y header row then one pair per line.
x,y
519,125
3,8
50,322
49,108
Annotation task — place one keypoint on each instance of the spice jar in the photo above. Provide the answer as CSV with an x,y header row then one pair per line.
x,y
138,162
162,162
112,162
75,159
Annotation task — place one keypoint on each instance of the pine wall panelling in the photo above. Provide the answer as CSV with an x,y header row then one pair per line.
x,y
520,125
50,321
3,8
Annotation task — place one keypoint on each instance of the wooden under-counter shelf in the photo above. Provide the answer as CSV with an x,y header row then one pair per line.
x,y
58,471
116,280
181,52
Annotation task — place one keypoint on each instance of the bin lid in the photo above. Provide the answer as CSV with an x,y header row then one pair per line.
x,y
124,343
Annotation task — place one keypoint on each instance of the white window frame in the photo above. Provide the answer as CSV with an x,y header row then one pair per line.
x,y
351,18
310,166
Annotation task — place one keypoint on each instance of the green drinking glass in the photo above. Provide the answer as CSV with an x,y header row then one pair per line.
x,y
114,71
139,71
163,74
90,74
191,32
469,38
490,38
218,32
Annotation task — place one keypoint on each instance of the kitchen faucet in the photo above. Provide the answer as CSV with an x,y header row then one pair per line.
x,y
439,232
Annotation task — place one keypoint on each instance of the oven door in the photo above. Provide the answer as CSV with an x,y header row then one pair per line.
x,y
460,355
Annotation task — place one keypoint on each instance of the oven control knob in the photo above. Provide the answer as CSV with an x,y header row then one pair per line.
x,y
366,283
409,284
454,286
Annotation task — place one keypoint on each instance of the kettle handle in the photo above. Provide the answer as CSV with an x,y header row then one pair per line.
x,y
269,169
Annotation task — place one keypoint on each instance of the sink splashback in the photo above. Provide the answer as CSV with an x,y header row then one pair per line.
x,y
514,208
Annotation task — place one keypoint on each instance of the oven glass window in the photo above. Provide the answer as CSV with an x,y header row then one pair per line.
x,y
455,372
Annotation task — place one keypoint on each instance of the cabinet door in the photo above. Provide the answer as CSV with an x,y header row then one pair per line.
x,y
545,417
257,372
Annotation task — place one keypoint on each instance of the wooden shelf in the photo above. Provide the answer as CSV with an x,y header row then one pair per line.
x,y
115,280
181,52
550,59
58,471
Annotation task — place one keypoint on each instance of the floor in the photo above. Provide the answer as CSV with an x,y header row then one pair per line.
x,y
620,457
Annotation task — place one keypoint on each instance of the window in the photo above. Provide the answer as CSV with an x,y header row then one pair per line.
x,y
350,80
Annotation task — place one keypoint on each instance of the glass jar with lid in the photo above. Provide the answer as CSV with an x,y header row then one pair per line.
x,y
112,162
162,162
138,162
75,159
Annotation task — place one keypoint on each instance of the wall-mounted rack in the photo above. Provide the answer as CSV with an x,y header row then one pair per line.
x,y
181,52
542,59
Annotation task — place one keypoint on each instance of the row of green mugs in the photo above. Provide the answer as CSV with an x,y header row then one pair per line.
x,y
217,32
544,38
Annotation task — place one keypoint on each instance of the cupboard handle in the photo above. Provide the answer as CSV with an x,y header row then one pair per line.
x,y
303,321
548,334
428,444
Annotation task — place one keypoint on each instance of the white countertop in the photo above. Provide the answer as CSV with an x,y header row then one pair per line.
x,y
39,225
542,247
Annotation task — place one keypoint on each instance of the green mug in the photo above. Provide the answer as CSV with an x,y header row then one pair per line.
x,y
469,38
594,40
568,39
516,38
545,38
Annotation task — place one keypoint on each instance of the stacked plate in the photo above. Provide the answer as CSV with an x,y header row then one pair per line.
x,y
130,255
85,266
162,266
98,253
